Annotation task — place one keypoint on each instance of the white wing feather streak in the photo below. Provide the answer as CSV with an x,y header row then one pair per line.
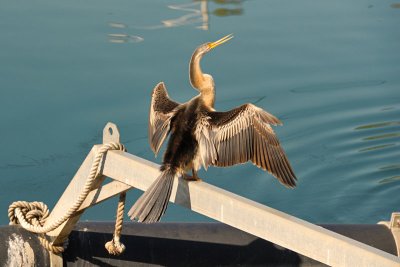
x,y
207,151
240,135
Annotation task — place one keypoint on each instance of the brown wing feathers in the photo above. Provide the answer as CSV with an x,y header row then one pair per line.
x,y
161,111
238,135
244,134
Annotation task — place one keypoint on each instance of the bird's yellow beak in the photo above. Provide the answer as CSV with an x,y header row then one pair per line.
x,y
220,41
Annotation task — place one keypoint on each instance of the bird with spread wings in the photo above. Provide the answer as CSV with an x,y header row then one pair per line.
x,y
200,136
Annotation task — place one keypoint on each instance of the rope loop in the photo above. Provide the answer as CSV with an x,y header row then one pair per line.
x,y
33,215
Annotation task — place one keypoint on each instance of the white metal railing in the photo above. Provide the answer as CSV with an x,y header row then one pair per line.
x,y
280,228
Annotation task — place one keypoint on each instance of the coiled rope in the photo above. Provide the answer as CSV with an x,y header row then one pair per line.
x,y
33,215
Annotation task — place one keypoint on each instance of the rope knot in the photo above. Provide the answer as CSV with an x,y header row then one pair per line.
x,y
115,247
35,213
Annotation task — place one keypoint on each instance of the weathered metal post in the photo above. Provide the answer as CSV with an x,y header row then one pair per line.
x,y
19,247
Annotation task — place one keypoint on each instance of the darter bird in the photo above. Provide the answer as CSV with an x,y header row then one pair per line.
x,y
199,135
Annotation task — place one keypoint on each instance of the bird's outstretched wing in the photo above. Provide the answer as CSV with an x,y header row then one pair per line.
x,y
161,111
240,135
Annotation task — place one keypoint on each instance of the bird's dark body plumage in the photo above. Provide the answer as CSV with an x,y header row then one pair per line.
x,y
182,145
201,136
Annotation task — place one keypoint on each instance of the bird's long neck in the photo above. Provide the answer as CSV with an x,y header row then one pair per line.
x,y
200,81
195,72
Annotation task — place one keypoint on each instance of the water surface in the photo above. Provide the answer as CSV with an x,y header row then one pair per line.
x,y
328,70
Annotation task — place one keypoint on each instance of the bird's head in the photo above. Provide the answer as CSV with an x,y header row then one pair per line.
x,y
200,81
207,47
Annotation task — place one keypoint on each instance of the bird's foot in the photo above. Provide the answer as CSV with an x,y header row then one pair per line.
x,y
189,178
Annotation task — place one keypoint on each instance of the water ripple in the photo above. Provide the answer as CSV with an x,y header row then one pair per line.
x,y
352,141
336,86
29,161
378,125
390,179
380,137
391,167
372,148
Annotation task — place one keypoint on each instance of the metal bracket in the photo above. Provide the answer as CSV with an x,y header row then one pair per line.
x,y
98,194
111,133
395,221
394,226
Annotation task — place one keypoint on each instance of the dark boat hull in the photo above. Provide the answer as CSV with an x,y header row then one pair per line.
x,y
183,244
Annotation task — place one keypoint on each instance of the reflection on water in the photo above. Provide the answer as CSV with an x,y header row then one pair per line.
x,y
390,168
224,2
380,136
117,25
387,108
223,12
390,179
383,137
395,5
383,126
378,125
122,37
198,13
376,147
226,11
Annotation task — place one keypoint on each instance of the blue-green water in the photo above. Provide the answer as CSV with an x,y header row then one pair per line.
x,y
330,70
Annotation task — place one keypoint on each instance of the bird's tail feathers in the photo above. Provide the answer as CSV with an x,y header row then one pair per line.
x,y
153,203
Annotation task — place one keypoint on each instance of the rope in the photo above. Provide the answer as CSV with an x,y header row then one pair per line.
x,y
36,214
49,246
32,210
115,247
33,215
